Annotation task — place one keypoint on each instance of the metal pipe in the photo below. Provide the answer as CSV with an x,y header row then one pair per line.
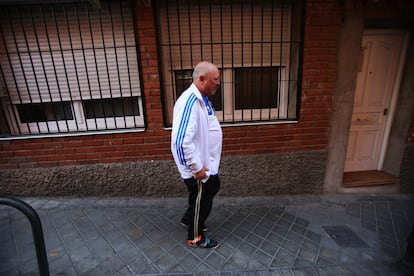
x,y
37,231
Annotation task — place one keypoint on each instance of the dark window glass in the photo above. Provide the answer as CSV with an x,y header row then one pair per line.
x,y
256,87
43,112
116,107
183,79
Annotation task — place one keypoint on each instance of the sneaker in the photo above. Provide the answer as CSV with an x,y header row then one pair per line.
x,y
206,243
205,228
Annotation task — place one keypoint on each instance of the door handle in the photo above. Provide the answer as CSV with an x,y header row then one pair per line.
x,y
385,112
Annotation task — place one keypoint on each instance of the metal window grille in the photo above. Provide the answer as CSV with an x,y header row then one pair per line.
x,y
256,44
69,67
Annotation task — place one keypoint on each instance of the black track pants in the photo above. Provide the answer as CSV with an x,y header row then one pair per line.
x,y
208,191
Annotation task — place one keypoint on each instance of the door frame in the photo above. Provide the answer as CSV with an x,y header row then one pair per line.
x,y
396,87
342,105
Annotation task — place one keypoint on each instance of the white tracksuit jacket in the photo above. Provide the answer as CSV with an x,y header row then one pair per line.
x,y
196,137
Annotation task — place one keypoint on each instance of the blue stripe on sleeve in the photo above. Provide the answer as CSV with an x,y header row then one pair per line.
x,y
183,128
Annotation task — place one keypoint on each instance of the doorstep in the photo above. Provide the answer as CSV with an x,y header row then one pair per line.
x,y
368,178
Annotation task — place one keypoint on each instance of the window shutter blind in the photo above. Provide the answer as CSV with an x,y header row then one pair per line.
x,y
65,52
244,34
230,34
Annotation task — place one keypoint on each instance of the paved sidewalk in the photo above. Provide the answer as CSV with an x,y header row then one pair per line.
x,y
286,235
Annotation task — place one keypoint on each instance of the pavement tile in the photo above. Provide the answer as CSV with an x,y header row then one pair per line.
x,y
225,250
29,267
255,240
139,264
234,241
253,264
285,256
178,252
239,259
83,259
280,229
215,260
165,262
295,237
265,236
201,253
240,233
266,247
154,252
330,270
307,255
262,258
178,269
61,264
275,238
8,266
189,261
290,246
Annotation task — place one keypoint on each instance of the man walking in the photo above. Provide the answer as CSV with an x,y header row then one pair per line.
x,y
196,142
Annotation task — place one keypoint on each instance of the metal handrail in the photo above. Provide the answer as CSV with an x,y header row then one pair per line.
x,y
37,231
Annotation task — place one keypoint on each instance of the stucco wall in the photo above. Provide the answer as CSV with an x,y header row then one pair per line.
x,y
255,175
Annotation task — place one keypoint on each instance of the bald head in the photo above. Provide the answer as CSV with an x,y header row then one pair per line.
x,y
206,77
203,68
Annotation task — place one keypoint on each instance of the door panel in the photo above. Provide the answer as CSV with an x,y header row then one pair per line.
x,y
373,93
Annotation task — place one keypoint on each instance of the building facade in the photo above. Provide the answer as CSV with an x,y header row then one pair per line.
x,y
310,90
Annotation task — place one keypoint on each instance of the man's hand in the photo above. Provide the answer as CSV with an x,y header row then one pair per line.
x,y
201,174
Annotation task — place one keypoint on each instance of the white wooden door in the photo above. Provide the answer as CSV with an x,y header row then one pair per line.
x,y
375,85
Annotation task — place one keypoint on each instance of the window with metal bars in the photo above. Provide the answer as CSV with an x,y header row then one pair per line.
x,y
257,46
69,67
